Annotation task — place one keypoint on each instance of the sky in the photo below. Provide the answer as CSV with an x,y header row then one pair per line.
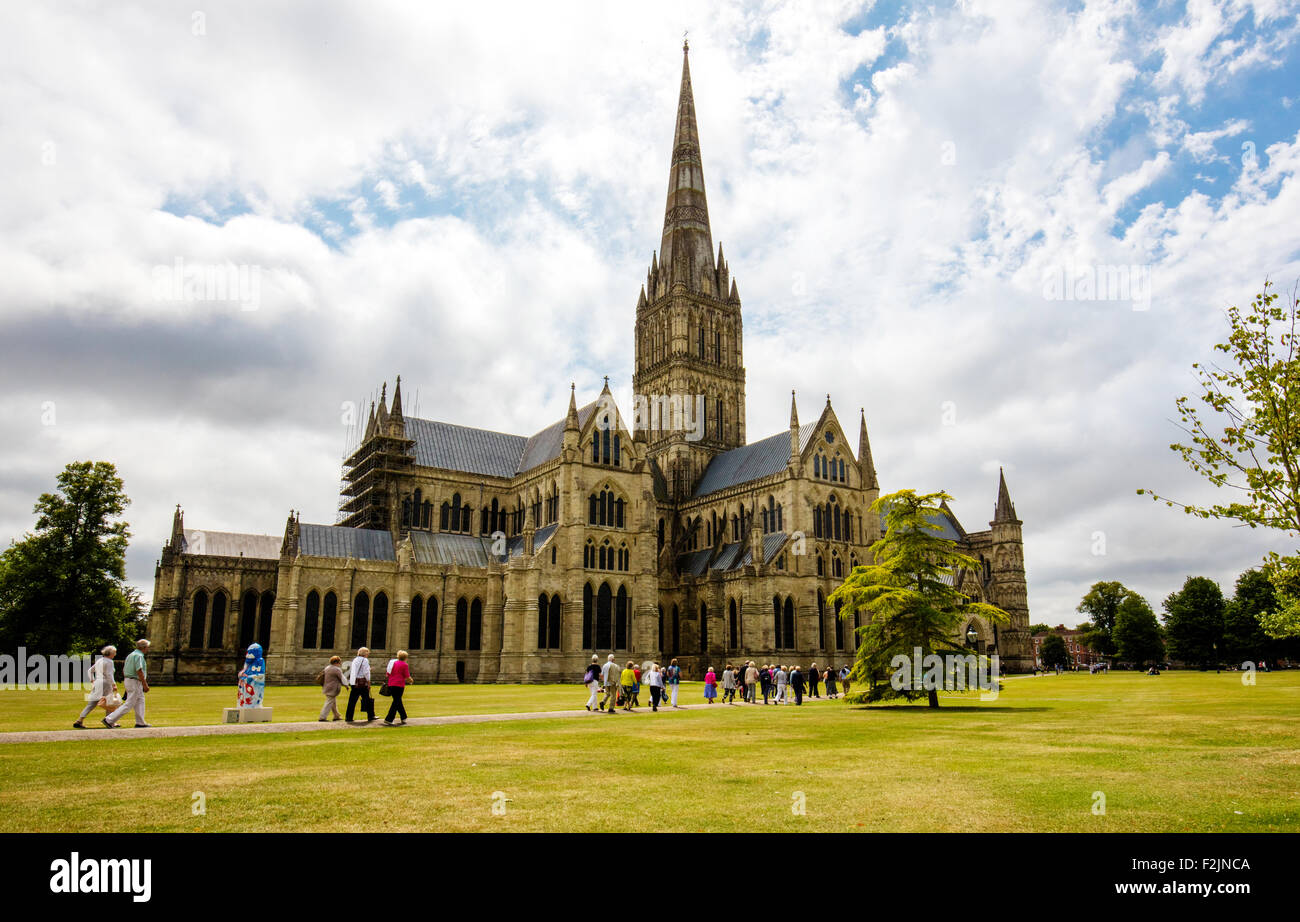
x,y
912,198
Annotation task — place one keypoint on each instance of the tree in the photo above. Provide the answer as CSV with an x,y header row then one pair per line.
x,y
1101,604
1137,633
1243,637
1194,621
1038,629
1256,397
909,594
1053,652
62,588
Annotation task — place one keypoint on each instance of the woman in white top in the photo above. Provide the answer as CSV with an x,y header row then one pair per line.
x,y
103,685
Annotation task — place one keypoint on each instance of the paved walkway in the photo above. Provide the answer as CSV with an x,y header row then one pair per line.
x,y
98,731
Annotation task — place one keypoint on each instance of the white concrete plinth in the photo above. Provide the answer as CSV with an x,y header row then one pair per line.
x,y
246,715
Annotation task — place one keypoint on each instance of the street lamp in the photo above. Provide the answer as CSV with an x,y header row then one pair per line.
x,y
971,636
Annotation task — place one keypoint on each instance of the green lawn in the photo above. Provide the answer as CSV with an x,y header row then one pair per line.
x,y
1185,751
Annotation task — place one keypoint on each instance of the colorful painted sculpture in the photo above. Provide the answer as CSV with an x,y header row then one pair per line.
x,y
252,678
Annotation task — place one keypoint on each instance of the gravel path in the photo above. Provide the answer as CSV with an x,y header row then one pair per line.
x,y
127,732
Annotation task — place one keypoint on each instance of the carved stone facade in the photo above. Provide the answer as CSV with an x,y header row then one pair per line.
x,y
500,558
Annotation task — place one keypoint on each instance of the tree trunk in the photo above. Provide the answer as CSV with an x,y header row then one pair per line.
x,y
934,697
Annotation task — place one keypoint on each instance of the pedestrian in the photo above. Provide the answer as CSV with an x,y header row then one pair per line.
x,y
710,685
136,678
845,672
331,684
751,681
781,678
591,679
628,680
636,685
359,686
797,683
674,679
656,681
765,678
829,677
729,684
103,687
813,678
609,674
398,678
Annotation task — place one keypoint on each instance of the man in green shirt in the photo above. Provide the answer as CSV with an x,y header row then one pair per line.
x,y
137,683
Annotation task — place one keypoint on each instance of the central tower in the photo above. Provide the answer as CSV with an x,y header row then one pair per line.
x,y
688,328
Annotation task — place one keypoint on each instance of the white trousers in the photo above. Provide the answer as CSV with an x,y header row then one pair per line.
x,y
134,702
674,694
595,694
780,693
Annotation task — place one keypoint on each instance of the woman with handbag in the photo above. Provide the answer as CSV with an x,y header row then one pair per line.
x,y
103,687
398,678
331,681
359,693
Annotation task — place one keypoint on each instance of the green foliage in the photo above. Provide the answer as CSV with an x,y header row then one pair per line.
x,y
1256,398
1194,621
1137,633
1101,604
1243,636
1038,629
1053,652
907,594
61,588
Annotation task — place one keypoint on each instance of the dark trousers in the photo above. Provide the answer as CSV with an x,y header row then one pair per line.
x,y
396,707
355,694
767,690
798,694
812,688
656,694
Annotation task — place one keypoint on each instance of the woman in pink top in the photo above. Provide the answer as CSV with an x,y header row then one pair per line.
x,y
710,685
398,678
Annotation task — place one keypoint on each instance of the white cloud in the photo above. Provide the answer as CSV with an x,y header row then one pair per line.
x,y
889,230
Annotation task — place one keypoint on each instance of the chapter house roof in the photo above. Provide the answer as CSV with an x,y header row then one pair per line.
x,y
482,451
231,544
751,462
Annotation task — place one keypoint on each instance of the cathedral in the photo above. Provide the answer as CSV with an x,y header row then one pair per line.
x,y
653,535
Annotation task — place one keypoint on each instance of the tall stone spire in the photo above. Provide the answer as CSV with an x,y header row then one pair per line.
x,y
689,336
686,252
381,418
868,466
794,431
396,411
1005,510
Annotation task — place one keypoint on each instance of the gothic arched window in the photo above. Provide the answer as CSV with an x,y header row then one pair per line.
x,y
198,618
476,625
379,623
311,620
431,624
587,613
217,628
415,636
462,623
328,621
604,618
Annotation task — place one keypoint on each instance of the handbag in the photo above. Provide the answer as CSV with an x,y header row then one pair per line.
x,y
320,678
386,691
112,702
